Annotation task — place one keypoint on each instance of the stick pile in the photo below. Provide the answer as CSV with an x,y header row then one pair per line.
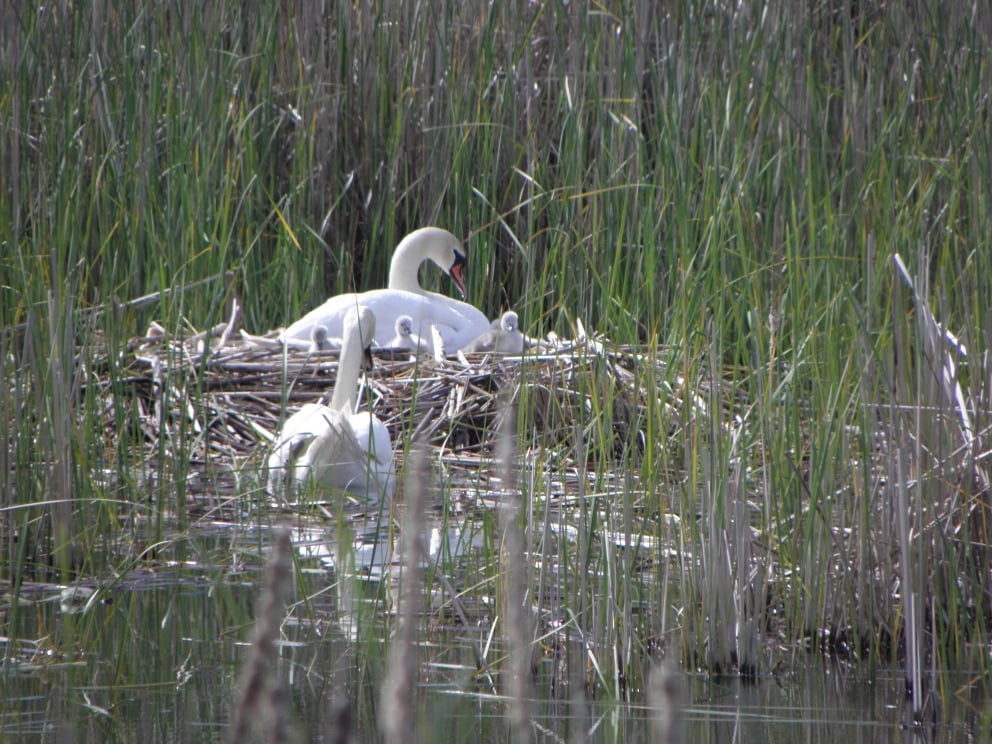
x,y
234,393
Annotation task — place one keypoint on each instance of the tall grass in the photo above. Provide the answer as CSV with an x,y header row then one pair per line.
x,y
724,182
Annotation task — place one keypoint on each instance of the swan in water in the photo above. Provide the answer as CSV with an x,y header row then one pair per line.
x,y
405,338
458,322
506,339
331,445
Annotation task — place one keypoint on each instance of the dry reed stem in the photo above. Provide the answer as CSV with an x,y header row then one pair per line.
x,y
263,700
397,720
517,621
666,698
940,446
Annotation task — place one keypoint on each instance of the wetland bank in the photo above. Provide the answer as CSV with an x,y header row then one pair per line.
x,y
756,460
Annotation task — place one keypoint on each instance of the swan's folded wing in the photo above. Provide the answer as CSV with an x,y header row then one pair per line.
x,y
346,459
370,437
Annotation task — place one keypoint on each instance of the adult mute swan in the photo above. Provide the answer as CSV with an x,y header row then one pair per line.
x,y
333,446
458,322
506,339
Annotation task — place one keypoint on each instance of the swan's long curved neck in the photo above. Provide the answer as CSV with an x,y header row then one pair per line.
x,y
345,394
404,267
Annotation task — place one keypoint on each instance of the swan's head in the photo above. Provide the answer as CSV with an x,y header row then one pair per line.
x,y
433,243
359,329
404,325
509,321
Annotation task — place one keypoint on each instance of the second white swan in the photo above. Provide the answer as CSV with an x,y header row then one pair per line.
x,y
332,446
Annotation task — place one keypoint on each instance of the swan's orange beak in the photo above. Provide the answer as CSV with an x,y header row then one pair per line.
x,y
367,360
456,272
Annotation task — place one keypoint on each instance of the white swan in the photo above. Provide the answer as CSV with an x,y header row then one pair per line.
x,y
333,446
458,322
506,339
405,338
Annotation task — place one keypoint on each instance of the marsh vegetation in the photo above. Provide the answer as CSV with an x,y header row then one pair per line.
x,y
767,221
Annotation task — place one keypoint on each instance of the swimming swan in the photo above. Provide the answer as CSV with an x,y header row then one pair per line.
x,y
458,322
333,446
506,339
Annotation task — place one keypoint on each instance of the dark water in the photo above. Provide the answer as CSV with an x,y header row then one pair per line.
x,y
155,656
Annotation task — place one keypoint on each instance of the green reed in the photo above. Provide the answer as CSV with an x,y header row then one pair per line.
x,y
723,185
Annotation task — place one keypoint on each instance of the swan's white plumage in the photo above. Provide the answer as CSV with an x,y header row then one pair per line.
x,y
332,446
506,339
457,322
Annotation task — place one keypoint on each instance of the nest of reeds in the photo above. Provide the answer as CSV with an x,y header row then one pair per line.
x,y
232,394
